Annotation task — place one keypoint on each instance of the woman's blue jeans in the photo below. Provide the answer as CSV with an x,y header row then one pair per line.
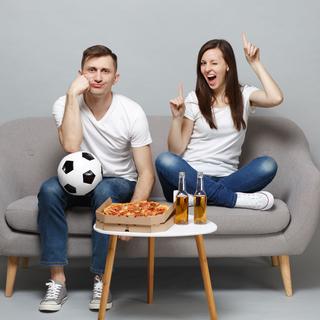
x,y
221,191
52,225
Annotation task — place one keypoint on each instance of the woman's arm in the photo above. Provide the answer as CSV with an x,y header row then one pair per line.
x,y
271,94
181,127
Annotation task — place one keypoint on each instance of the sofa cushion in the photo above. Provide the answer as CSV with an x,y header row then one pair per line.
x,y
236,221
21,215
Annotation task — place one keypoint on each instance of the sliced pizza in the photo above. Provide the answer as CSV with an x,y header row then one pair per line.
x,y
141,208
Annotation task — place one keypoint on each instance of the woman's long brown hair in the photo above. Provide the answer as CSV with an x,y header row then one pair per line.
x,y
233,93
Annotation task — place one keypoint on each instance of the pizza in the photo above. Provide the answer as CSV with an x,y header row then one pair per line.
x,y
136,209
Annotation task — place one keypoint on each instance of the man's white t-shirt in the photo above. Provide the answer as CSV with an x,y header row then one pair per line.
x,y
215,152
111,138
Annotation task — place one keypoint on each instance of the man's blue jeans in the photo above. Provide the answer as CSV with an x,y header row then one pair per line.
x,y
221,191
52,225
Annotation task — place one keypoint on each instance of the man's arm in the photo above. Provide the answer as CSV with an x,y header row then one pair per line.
x,y
143,160
70,131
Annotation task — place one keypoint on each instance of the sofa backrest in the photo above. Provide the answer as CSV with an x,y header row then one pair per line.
x,y
30,150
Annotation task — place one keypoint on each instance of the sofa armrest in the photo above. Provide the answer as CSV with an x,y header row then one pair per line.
x,y
9,192
303,200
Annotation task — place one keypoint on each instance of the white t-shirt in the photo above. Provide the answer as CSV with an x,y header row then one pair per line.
x,y
215,152
110,139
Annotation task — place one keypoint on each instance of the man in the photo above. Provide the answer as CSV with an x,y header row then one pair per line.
x,y
115,129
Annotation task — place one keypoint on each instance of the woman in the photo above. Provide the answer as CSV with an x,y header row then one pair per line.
x,y
208,129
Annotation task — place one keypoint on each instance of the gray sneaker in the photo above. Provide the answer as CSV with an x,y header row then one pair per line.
x,y
55,297
94,304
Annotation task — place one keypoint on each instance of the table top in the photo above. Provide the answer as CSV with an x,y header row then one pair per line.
x,y
177,230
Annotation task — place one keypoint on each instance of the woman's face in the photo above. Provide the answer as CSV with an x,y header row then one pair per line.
x,y
214,69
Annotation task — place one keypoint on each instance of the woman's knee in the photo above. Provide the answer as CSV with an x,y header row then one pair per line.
x,y
267,166
166,160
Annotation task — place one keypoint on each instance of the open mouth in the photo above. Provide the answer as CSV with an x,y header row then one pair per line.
x,y
211,79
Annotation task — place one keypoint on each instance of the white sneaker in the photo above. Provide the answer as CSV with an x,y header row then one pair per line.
x,y
190,198
94,303
262,200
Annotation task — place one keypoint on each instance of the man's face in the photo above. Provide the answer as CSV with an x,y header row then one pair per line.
x,y
101,74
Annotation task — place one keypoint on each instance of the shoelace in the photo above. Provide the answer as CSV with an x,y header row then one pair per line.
x,y
53,290
97,288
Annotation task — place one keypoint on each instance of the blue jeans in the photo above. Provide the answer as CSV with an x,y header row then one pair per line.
x,y
221,191
52,225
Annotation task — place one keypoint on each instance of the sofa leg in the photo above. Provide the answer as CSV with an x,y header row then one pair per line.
x,y
286,274
25,262
12,267
275,261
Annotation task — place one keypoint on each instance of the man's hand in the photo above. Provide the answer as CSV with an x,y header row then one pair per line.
x,y
177,105
251,52
79,85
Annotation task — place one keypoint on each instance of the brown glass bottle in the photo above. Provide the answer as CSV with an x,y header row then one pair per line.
x,y
181,202
200,202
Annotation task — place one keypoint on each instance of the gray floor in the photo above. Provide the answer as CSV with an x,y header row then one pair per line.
x,y
244,289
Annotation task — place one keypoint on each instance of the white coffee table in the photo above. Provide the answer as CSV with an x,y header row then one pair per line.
x,y
191,229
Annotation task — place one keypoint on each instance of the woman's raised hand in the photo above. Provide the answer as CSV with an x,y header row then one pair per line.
x,y
251,52
177,105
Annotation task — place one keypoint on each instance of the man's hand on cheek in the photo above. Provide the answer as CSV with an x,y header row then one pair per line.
x,y
79,85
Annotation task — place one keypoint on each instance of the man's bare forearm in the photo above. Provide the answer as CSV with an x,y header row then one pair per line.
x,y
71,127
143,187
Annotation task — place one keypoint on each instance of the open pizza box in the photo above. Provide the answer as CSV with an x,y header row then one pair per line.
x,y
161,222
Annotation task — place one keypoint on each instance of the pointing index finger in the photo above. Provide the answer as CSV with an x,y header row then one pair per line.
x,y
181,90
244,39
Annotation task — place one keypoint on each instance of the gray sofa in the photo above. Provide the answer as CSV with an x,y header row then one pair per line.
x,y
30,152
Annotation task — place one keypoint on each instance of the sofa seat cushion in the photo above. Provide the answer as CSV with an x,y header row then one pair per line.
x,y
236,221
21,215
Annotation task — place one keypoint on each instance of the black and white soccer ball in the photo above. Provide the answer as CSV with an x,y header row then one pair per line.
x,y
79,173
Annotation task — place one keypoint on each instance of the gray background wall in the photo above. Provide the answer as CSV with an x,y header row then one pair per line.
x,y
157,43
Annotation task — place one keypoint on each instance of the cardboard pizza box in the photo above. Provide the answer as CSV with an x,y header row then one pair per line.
x,y
137,221
136,228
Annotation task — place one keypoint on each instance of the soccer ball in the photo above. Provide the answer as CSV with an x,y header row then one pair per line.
x,y
79,173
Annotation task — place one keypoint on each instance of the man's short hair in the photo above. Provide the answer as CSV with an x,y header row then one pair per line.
x,y
96,52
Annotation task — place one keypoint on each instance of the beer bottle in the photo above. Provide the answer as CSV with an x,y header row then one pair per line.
x,y
181,202
200,202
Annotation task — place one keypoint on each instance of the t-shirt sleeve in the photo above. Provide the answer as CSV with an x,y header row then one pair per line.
x,y
191,106
246,93
58,110
140,133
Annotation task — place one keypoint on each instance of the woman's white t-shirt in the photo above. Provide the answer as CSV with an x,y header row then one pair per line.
x,y
215,152
110,139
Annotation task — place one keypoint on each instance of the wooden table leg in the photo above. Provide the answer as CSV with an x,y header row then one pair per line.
x,y
206,277
275,261
107,276
151,242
